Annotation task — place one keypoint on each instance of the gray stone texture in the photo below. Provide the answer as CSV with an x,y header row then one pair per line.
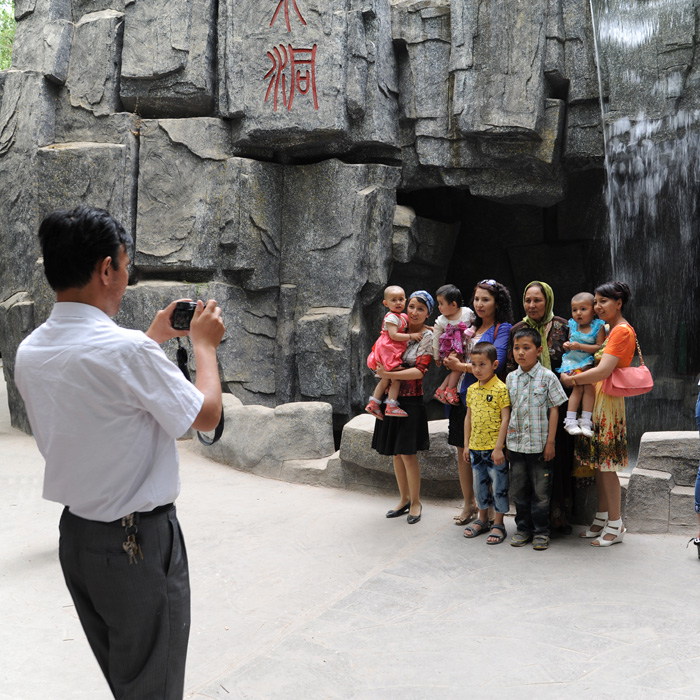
x,y
44,47
438,465
292,438
27,122
93,71
17,320
68,171
43,37
309,77
498,52
169,58
475,116
84,7
661,494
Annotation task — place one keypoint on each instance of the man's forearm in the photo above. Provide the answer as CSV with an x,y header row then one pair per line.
x,y
208,383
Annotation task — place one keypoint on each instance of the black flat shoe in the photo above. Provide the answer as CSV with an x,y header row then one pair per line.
x,y
397,513
413,519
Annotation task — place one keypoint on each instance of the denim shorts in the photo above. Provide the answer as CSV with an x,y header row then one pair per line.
x,y
490,481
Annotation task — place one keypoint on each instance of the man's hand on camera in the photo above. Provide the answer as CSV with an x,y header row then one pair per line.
x,y
207,328
161,329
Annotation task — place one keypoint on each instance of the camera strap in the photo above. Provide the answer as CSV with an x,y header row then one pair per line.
x,y
182,364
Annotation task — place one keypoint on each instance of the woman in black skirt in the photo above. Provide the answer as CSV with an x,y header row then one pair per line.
x,y
403,438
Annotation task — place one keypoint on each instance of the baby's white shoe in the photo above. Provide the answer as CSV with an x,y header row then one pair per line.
x,y
586,427
571,425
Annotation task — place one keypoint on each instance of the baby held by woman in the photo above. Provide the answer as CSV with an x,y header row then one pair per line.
x,y
387,352
586,336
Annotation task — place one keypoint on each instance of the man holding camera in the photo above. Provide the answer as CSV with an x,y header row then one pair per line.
x,y
106,407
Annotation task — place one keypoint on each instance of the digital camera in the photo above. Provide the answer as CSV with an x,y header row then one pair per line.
x,y
184,310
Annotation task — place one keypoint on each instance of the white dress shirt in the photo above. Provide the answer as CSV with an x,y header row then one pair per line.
x,y
106,406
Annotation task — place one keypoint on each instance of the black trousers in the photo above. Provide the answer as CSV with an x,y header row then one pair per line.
x,y
136,616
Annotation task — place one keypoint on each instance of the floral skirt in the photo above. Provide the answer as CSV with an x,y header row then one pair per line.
x,y
607,449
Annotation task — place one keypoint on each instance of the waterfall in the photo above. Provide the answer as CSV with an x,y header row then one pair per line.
x,y
649,81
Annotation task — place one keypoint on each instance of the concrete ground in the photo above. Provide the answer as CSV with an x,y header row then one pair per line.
x,y
303,593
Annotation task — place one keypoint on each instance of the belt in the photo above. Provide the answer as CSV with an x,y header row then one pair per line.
x,y
156,511
139,515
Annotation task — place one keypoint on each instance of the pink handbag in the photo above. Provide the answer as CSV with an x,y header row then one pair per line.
x,y
629,381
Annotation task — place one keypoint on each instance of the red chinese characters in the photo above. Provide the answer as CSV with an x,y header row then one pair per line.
x,y
286,13
293,70
302,74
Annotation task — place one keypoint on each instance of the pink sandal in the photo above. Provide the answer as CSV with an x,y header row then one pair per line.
x,y
451,396
395,411
374,409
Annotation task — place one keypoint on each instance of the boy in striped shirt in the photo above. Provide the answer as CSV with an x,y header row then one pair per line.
x,y
535,395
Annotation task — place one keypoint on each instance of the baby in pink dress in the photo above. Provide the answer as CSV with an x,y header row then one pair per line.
x,y
387,352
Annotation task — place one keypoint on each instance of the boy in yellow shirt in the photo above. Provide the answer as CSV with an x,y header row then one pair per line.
x,y
488,413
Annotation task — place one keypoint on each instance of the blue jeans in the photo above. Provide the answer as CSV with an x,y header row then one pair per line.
x,y
531,489
490,481
697,480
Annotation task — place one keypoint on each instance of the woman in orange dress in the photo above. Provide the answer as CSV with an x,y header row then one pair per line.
x,y
606,451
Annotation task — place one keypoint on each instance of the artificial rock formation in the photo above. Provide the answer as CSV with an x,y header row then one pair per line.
x,y
272,156
661,492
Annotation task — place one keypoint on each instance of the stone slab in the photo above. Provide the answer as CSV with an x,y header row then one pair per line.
x,y
93,71
305,78
500,90
438,464
100,174
682,516
27,121
169,56
648,501
290,440
43,46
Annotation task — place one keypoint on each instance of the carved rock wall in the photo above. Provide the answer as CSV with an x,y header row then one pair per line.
x,y
255,152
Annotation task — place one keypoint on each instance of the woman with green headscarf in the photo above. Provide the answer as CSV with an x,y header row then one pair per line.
x,y
538,301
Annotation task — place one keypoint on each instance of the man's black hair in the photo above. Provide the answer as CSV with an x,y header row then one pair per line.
x,y
450,294
484,348
527,332
73,242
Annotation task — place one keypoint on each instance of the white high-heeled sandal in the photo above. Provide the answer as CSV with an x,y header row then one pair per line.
x,y
614,527
600,520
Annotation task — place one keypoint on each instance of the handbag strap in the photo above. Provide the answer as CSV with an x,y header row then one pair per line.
x,y
636,341
639,350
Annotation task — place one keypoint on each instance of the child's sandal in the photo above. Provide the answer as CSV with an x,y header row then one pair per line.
x,y
395,412
451,396
498,537
440,395
374,409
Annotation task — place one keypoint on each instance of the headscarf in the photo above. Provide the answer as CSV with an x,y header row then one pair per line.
x,y
541,326
425,298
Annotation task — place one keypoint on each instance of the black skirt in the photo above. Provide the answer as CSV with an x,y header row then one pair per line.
x,y
403,436
455,427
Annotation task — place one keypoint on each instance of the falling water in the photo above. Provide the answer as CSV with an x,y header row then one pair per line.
x,y
650,91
